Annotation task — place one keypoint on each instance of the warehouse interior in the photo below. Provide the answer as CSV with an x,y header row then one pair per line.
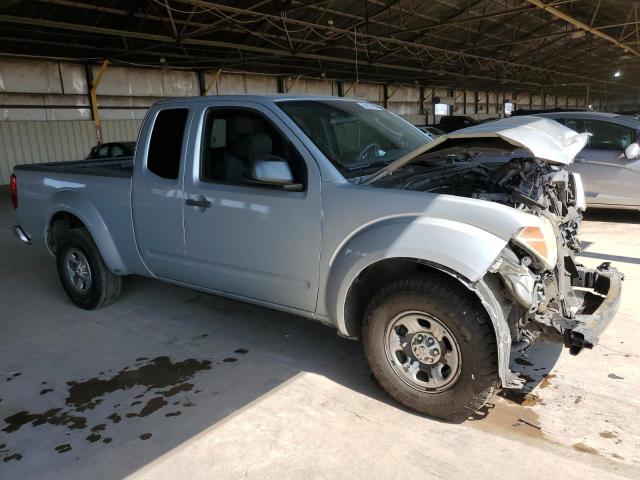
x,y
472,56
283,397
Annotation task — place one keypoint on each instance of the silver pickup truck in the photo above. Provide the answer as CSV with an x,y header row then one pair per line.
x,y
443,255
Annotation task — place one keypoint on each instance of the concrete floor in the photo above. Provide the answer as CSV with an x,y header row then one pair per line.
x,y
171,383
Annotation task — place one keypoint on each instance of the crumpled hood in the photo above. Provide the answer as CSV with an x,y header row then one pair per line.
x,y
543,138
546,139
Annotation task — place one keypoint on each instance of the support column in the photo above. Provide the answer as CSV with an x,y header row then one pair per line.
x,y
201,83
214,80
286,88
94,99
88,73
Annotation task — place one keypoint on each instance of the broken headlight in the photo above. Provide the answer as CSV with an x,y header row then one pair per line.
x,y
540,241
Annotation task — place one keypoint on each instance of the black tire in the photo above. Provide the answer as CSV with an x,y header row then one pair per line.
x,y
103,288
455,307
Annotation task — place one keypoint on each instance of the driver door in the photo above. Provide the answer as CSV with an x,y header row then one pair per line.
x,y
244,238
609,177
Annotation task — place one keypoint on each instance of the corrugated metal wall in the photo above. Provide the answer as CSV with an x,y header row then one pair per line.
x,y
45,110
55,141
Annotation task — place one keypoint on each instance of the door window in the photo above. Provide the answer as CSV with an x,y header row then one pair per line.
x,y
165,146
117,151
609,136
233,138
573,124
103,152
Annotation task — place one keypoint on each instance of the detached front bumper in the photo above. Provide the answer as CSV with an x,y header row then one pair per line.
x,y
596,293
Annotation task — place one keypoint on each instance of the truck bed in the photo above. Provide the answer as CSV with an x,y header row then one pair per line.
x,y
112,167
97,192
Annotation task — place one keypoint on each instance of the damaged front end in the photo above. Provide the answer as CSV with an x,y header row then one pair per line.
x,y
535,285
548,295
574,314
553,297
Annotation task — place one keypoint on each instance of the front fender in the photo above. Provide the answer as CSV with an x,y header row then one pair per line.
x,y
461,250
80,205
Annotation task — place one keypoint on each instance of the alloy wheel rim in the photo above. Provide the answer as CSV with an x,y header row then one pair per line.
x,y
422,351
78,270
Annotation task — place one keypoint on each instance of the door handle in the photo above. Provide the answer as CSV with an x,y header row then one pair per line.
x,y
198,203
580,160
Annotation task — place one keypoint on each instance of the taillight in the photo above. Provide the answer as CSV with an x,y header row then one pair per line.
x,y
14,191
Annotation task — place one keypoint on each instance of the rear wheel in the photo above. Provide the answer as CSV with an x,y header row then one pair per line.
x,y
431,346
84,276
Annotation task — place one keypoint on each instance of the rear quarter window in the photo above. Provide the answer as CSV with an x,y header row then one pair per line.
x,y
165,146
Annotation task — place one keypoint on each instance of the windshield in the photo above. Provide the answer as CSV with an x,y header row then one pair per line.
x,y
354,135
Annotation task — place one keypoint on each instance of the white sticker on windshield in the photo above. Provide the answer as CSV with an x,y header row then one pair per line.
x,y
370,106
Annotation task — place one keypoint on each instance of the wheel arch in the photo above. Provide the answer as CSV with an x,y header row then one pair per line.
x,y
67,211
394,250
486,291
380,273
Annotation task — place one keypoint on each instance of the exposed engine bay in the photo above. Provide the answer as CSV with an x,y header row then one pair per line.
x,y
548,299
522,183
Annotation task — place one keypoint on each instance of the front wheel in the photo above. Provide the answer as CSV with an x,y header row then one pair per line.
x,y
84,276
431,346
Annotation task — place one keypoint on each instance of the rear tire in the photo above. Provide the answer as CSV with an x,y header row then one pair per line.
x,y
431,346
83,274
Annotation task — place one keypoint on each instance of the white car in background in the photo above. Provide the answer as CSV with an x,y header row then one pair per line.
x,y
610,163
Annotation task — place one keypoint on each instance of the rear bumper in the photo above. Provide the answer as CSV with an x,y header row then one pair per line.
x,y
598,291
21,234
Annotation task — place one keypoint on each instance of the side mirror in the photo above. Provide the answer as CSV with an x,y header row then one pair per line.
x,y
632,151
273,171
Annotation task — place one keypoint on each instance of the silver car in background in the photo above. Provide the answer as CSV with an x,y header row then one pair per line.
x,y
610,163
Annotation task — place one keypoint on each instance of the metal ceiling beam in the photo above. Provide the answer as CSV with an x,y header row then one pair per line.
x,y
397,6
229,45
418,36
184,23
488,34
438,50
147,16
212,26
208,26
574,21
459,21
489,64
522,40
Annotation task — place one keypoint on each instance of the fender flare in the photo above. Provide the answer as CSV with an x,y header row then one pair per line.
x,y
79,205
460,250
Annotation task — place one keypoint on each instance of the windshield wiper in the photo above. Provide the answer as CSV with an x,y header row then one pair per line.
x,y
378,163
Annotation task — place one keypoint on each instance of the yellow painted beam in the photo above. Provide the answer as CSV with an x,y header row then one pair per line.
x,y
353,85
215,78
94,100
293,84
394,91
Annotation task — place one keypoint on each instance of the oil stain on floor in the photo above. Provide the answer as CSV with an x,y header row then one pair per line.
x,y
158,373
161,377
